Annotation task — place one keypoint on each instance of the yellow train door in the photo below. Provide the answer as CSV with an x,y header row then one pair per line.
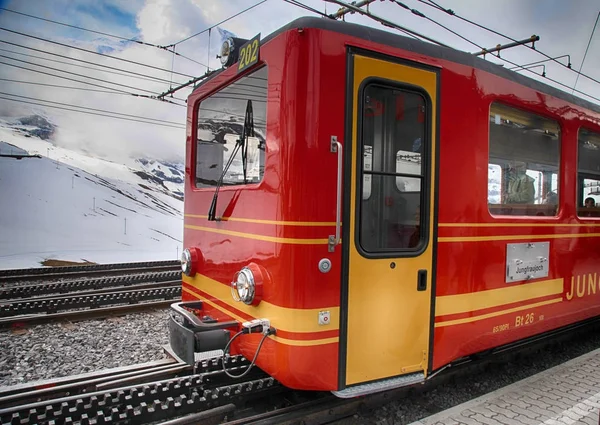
x,y
387,291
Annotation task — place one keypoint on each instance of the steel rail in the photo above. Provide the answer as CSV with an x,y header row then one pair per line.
x,y
36,274
150,401
77,301
104,288
77,384
79,315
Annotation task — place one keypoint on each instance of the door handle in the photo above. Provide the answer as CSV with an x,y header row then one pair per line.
x,y
336,147
421,280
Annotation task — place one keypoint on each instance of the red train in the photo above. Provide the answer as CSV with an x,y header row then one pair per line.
x,y
363,209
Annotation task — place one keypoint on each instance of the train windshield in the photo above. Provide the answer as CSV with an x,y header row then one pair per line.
x,y
220,125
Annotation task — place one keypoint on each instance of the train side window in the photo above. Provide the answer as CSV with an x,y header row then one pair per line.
x,y
524,163
588,173
393,171
220,124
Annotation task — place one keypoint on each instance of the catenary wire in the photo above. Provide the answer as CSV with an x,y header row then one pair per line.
x,y
78,75
83,61
450,12
165,48
67,78
94,113
124,74
387,23
586,51
421,15
310,9
500,57
86,82
63,87
89,109
80,28
93,52
217,24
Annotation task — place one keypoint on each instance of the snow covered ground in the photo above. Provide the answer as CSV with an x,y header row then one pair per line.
x,y
70,206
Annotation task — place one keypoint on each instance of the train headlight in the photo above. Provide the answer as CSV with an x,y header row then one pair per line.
x,y
247,285
227,52
190,261
243,286
186,262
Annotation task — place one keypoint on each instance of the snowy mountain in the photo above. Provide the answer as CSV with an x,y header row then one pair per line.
x,y
70,206
170,175
35,125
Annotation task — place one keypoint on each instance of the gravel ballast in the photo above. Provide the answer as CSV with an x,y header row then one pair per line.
x,y
62,349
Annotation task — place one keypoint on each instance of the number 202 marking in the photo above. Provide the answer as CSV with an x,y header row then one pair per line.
x,y
248,55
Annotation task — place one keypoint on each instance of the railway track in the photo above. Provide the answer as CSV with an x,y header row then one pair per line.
x,y
47,274
41,295
171,393
111,400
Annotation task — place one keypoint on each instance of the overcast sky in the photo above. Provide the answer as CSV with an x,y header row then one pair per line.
x,y
564,27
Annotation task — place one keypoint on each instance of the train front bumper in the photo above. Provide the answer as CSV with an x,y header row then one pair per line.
x,y
190,334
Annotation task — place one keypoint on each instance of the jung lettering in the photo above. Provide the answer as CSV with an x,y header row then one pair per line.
x,y
583,285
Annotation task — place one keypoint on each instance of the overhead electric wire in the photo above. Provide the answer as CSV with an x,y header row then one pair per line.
x,y
165,48
94,113
553,80
310,9
63,87
88,83
155,80
93,52
421,15
387,23
79,75
586,50
80,28
89,109
217,24
83,61
67,78
523,67
450,12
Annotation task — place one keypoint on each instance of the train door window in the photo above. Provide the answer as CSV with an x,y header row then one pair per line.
x,y
221,119
588,165
524,162
393,172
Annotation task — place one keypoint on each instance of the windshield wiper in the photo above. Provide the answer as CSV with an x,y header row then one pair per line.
x,y
248,131
241,143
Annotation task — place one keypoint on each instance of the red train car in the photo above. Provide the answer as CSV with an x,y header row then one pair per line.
x,y
385,206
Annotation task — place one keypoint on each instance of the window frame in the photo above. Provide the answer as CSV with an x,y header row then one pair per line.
x,y
560,189
581,176
195,120
425,193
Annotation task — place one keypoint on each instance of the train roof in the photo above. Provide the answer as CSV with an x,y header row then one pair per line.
x,y
431,50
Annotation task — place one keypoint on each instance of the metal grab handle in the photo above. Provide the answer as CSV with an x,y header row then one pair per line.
x,y
194,322
335,239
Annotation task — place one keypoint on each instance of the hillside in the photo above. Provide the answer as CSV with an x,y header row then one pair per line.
x,y
70,206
